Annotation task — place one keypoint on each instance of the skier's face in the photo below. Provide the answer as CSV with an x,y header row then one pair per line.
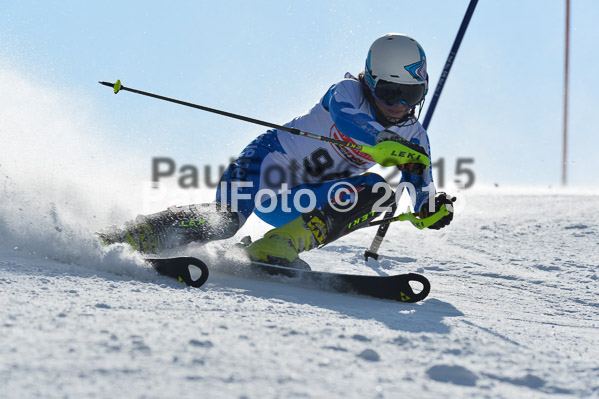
x,y
394,112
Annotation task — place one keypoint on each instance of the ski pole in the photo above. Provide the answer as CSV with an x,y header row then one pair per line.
x,y
408,216
448,64
411,217
372,252
386,153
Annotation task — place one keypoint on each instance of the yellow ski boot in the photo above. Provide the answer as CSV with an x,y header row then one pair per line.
x,y
176,226
141,237
282,245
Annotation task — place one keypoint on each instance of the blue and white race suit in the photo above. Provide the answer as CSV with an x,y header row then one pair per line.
x,y
278,159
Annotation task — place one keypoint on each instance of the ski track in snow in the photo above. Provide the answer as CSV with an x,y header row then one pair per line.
x,y
513,312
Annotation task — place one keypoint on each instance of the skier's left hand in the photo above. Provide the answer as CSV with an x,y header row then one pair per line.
x,y
440,199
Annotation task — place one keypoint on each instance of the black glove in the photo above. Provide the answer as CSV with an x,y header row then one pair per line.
x,y
413,168
440,199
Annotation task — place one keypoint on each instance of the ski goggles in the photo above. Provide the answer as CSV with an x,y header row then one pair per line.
x,y
390,93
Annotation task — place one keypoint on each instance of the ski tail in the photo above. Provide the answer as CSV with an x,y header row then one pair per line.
x,y
190,271
407,293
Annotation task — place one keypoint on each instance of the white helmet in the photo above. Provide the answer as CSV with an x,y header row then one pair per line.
x,y
396,70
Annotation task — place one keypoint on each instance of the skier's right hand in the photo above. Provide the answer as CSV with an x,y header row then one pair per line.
x,y
413,168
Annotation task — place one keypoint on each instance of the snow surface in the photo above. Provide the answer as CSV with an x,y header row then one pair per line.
x,y
513,312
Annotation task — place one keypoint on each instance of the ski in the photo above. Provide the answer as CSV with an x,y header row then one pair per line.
x,y
193,272
190,271
396,287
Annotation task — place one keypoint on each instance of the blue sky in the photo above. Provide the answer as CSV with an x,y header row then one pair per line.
x,y
272,60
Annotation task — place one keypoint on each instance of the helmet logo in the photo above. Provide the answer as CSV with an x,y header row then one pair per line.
x,y
370,80
418,69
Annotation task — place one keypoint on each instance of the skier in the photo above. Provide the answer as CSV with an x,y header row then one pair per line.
x,y
315,192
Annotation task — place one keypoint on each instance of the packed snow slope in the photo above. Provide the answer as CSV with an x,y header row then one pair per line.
x,y
513,312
